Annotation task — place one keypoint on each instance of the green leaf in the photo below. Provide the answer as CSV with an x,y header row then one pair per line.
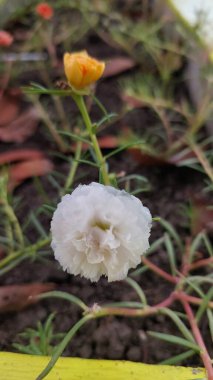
x,y
74,137
194,286
174,340
208,244
54,182
141,183
100,105
48,324
128,304
170,229
106,119
195,244
123,147
91,163
181,326
138,290
210,319
65,296
208,279
204,305
35,347
38,225
48,208
178,358
23,349
171,254
36,89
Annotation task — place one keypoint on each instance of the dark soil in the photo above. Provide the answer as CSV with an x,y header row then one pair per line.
x,y
111,337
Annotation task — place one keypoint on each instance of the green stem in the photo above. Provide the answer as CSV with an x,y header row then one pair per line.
x,y
61,347
99,157
15,224
9,235
74,166
31,250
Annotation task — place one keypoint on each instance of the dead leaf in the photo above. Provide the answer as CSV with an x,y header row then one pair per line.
x,y
19,129
9,108
108,142
118,65
27,169
17,297
147,159
19,155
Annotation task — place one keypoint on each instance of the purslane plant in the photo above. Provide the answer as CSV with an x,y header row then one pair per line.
x,y
85,242
187,289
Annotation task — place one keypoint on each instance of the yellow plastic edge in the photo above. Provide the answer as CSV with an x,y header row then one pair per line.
x,y
27,367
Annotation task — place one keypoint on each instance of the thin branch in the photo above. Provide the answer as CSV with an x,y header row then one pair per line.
x,y
199,339
160,272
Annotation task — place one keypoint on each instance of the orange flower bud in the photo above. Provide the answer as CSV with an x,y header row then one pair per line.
x,y
81,70
6,39
44,10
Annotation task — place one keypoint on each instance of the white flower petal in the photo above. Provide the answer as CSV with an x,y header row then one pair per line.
x,y
99,230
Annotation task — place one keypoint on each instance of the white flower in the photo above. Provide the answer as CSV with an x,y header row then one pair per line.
x,y
99,230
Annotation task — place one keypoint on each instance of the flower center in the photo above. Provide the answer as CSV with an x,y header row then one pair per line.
x,y
84,69
102,225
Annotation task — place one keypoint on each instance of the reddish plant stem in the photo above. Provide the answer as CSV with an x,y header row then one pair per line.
x,y
122,311
201,263
191,299
150,310
198,337
160,272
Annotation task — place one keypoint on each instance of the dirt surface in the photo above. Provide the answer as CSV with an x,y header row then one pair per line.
x,y
111,337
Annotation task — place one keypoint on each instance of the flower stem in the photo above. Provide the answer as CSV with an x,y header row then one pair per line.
x,y
127,312
79,100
